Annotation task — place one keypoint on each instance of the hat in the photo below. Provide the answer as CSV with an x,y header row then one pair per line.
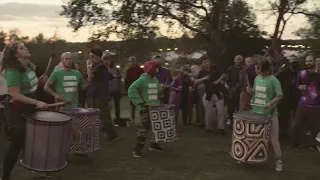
x,y
149,65
132,59
96,52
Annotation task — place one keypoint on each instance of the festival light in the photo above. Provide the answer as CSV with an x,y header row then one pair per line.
x,y
117,66
169,49
79,52
175,48
142,66
160,49
166,64
107,50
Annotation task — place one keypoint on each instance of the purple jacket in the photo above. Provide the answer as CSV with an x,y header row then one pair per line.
x,y
164,76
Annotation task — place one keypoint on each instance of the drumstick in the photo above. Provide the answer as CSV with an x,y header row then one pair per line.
x,y
260,105
59,104
50,59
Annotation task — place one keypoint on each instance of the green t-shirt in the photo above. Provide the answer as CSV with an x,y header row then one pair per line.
x,y
265,89
67,85
27,80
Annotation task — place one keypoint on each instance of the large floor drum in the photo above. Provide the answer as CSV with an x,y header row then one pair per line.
x,y
46,143
163,123
84,136
251,134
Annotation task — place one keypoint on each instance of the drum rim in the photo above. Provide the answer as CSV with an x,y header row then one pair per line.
x,y
269,117
96,110
161,106
59,122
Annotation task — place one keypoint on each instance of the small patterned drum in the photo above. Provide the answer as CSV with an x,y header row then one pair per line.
x,y
46,143
250,140
84,136
163,123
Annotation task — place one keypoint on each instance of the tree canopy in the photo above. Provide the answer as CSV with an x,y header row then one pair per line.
x,y
214,21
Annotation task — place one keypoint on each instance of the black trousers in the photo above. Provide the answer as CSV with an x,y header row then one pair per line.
x,y
233,103
17,137
15,124
102,103
116,96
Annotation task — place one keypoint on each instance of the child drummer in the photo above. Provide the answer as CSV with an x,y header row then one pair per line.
x,y
144,93
266,93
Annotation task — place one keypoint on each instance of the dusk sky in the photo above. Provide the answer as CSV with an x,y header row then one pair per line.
x,y
32,17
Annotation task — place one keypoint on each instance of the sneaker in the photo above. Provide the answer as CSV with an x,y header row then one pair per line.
x,y
113,139
279,165
156,148
222,132
136,154
46,175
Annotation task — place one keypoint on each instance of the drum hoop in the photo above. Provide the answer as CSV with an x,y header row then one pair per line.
x,y
96,111
251,121
36,121
157,107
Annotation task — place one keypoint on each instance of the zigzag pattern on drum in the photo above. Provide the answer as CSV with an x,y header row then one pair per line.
x,y
84,136
250,141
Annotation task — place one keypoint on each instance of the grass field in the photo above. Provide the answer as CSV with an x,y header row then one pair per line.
x,y
196,156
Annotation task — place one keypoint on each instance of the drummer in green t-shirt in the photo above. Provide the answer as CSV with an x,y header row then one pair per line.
x,y
65,82
266,93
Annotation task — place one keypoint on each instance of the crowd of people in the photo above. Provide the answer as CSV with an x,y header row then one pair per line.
x,y
284,93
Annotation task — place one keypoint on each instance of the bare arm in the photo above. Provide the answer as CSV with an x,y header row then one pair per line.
x,y
48,89
275,100
14,91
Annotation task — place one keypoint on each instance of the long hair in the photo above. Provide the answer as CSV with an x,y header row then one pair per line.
x,y
264,66
9,59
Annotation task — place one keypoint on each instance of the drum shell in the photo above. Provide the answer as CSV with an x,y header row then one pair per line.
x,y
84,135
250,140
46,145
163,123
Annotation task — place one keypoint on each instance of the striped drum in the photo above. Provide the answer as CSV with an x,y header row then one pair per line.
x,y
84,135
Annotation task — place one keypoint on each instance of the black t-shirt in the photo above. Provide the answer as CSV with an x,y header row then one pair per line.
x,y
211,88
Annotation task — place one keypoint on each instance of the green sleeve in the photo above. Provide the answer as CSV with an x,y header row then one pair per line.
x,y
277,87
133,92
53,76
13,77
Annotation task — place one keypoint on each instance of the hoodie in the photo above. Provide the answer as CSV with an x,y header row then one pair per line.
x,y
144,90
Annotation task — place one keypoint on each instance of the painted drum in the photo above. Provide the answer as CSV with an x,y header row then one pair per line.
x,y
163,123
84,135
250,139
46,141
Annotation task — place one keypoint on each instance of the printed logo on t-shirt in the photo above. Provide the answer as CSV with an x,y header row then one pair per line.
x,y
70,83
260,95
153,91
69,78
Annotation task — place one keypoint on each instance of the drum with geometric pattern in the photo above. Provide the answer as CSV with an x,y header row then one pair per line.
x,y
250,139
163,123
85,131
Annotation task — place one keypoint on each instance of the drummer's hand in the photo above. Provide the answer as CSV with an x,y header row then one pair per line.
x,y
267,106
249,90
41,105
59,99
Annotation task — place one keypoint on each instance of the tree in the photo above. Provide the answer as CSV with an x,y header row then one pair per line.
x,y
312,33
213,21
39,39
15,35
